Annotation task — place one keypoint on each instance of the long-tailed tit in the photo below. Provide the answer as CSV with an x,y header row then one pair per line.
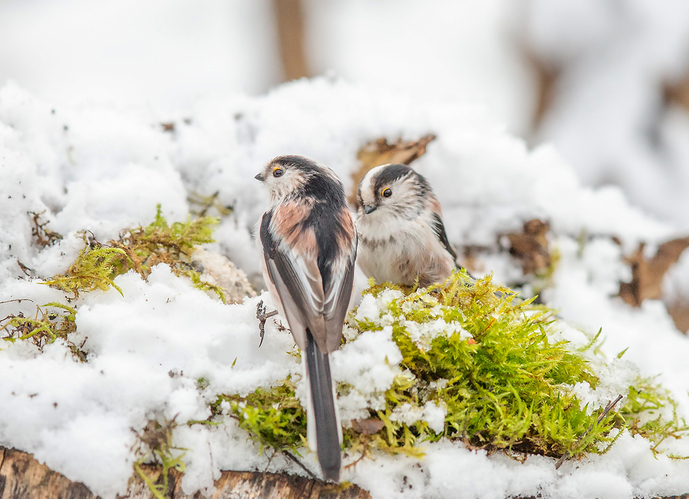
x,y
401,231
309,248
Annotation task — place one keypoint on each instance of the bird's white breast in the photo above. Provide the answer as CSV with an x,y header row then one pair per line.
x,y
396,249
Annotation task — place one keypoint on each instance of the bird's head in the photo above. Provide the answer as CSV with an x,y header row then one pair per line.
x,y
286,174
391,189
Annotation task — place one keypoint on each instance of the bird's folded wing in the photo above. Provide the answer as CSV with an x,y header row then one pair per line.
x,y
299,285
338,293
439,229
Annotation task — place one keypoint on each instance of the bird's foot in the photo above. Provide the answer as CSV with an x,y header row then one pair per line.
x,y
262,317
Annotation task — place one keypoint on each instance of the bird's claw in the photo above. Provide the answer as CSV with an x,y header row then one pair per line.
x,y
262,317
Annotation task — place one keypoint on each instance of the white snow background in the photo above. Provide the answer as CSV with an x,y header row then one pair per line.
x,y
104,168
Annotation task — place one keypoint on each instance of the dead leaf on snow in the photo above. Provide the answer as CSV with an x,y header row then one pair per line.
x,y
677,93
367,426
647,274
531,246
680,315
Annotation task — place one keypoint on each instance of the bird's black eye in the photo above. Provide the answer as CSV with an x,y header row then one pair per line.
x,y
387,193
278,172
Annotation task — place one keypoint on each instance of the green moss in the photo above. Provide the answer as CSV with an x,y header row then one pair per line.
x,y
203,285
97,265
161,242
93,269
155,446
173,244
506,385
503,389
651,412
52,321
139,250
274,417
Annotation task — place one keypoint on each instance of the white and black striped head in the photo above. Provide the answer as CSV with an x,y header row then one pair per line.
x,y
393,189
287,175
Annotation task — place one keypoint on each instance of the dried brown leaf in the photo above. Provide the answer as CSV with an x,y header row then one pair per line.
x,y
531,246
677,93
647,274
679,312
367,426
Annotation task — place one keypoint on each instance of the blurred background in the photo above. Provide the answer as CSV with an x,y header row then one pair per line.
x,y
606,81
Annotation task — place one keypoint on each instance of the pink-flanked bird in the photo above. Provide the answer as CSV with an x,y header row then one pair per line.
x,y
309,251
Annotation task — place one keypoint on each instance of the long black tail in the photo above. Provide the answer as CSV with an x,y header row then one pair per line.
x,y
323,411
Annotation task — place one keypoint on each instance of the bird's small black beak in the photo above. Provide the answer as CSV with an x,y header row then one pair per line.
x,y
260,177
370,209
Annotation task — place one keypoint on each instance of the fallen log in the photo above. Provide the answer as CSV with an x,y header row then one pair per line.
x,y
22,477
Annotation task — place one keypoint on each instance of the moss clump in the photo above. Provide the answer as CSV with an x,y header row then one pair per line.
x,y
94,268
173,244
274,418
503,389
161,242
52,321
651,412
487,360
139,250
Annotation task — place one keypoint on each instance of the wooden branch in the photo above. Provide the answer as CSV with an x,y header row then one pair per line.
x,y
22,477
290,24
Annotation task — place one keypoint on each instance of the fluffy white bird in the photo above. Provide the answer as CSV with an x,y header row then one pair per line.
x,y
401,233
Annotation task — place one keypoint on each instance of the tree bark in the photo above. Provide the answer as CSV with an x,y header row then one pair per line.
x,y
22,477
291,36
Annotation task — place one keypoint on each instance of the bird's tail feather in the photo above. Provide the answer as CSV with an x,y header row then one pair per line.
x,y
323,422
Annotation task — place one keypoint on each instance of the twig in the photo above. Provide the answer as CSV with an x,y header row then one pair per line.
x,y
270,460
298,462
18,300
362,456
605,412
27,270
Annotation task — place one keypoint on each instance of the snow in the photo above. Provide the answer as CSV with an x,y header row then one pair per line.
x,y
607,116
165,54
433,414
149,347
612,59
161,53
448,49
